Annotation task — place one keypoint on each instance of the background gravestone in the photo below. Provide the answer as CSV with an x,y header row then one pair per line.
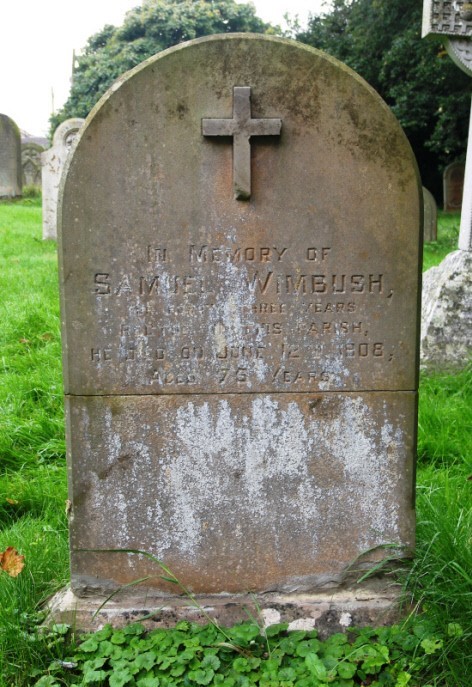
x,y
430,217
10,158
53,161
239,338
453,184
31,164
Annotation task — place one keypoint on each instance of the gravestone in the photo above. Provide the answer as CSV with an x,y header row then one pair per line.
x,y
453,185
10,158
52,161
239,337
430,217
31,164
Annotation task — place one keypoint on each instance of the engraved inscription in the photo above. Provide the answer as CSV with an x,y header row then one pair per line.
x,y
281,315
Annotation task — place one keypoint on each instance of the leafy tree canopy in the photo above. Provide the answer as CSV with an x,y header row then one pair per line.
x,y
381,40
148,29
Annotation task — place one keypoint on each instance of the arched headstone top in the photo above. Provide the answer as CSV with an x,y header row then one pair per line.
x,y
340,164
453,184
67,132
53,162
10,158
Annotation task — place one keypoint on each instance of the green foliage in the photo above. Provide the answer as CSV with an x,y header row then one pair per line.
x,y
381,40
194,655
445,420
148,29
448,235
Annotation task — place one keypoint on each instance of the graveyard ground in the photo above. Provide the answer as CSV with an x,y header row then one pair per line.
x,y
33,490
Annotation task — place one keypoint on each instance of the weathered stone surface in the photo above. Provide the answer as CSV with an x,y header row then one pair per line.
x,y
453,186
244,492
446,323
53,161
430,217
240,372
10,158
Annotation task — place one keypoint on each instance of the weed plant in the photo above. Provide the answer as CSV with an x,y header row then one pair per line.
x,y
32,519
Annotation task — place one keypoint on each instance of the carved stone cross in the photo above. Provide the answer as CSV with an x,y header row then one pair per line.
x,y
453,20
241,127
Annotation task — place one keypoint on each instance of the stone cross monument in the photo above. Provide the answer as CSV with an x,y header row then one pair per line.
x,y
446,330
453,20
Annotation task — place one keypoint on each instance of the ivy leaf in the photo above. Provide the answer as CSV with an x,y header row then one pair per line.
x,y
211,661
245,633
147,681
454,630
241,665
146,661
134,629
120,677
430,646
201,677
95,663
346,670
11,562
91,676
104,633
312,646
47,681
89,645
403,679
276,629
316,667
178,670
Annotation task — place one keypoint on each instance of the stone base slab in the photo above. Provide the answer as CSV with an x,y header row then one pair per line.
x,y
328,612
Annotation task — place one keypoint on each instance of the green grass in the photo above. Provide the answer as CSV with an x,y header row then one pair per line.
x,y
33,475
31,421
32,467
448,234
445,420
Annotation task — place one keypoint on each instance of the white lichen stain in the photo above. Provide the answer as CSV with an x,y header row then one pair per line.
x,y
270,616
345,619
356,442
306,624
273,445
232,318
117,487
268,467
